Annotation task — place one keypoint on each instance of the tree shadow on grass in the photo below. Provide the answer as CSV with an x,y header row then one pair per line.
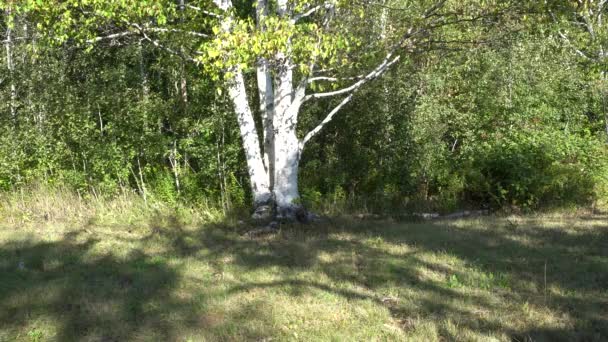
x,y
67,290
98,298
88,295
563,272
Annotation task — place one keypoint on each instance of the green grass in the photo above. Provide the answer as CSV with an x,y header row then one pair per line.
x,y
490,279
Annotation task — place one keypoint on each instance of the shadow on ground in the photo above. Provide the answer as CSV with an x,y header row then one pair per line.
x,y
100,297
72,289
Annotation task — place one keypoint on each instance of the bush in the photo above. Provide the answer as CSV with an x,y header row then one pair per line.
x,y
534,169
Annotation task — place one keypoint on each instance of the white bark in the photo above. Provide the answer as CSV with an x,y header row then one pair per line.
x,y
282,8
266,94
259,180
265,91
145,84
8,44
287,144
286,170
388,61
224,5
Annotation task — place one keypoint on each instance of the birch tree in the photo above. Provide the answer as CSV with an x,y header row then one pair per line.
x,y
299,51
8,45
581,26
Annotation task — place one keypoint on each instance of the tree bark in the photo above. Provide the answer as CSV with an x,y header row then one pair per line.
x,y
260,185
10,66
287,145
287,162
266,94
258,174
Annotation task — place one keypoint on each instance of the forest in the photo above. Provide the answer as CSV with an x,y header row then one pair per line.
x,y
497,104
142,142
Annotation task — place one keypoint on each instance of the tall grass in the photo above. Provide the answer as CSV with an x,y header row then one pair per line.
x,y
61,205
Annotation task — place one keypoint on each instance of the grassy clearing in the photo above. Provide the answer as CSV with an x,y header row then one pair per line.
x,y
504,279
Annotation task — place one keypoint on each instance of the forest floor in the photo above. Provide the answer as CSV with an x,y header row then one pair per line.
x,y
542,278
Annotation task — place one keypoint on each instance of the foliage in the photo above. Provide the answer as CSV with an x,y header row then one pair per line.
x,y
497,110
437,139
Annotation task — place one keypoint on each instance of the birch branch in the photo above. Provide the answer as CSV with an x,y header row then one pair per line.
x,y
333,79
565,38
143,30
325,121
311,11
110,37
161,46
198,9
569,43
378,71
388,61
146,28
12,40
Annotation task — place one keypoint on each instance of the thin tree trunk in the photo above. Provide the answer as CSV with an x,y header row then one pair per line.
x,y
145,87
175,165
144,192
184,85
10,66
266,94
258,174
183,79
603,91
100,120
259,179
139,188
220,176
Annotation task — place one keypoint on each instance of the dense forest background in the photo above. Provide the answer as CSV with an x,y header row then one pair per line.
x,y
507,111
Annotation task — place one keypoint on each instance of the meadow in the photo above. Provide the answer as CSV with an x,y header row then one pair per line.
x,y
170,278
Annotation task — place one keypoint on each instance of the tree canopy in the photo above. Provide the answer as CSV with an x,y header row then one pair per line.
x,y
377,104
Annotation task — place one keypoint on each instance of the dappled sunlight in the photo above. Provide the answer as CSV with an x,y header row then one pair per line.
x,y
348,279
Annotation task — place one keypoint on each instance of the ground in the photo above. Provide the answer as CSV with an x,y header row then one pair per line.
x,y
487,279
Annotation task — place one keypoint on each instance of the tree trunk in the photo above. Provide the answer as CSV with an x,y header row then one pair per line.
x,y
260,185
287,160
266,94
10,66
258,174
287,145
267,109
604,83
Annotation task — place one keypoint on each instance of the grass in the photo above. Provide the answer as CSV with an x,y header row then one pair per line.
x,y
162,278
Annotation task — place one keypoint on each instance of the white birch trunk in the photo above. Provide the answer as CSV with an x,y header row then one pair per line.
x,y
11,68
258,175
287,158
273,171
260,185
287,144
266,94
265,90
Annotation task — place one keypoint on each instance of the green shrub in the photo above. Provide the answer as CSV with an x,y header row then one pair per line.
x,y
534,169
